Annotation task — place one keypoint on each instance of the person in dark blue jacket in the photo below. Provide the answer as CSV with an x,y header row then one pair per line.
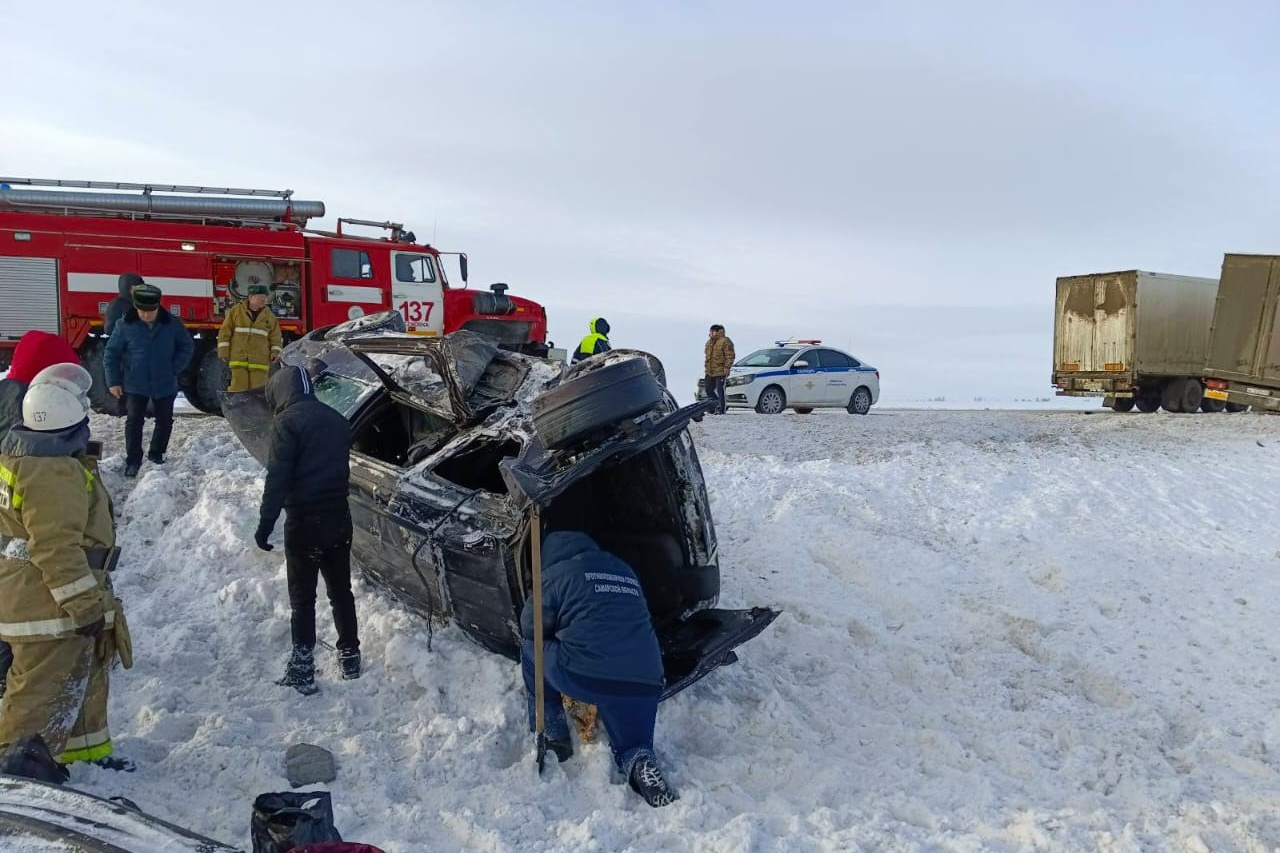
x,y
147,350
599,646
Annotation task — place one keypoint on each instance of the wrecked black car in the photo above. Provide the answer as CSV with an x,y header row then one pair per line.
x,y
455,440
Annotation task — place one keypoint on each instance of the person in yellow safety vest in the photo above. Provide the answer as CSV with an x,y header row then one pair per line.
x,y
249,341
58,610
594,343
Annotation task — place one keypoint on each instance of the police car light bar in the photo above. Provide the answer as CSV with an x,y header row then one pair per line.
x,y
794,341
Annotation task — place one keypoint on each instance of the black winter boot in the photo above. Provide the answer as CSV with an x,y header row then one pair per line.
x,y
562,748
349,663
300,673
647,781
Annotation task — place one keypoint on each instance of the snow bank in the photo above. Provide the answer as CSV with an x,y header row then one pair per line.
x,y
1003,631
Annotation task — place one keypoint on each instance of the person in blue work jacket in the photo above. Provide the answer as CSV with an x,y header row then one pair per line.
x,y
599,647
146,352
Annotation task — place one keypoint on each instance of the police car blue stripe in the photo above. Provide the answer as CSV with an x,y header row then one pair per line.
x,y
803,371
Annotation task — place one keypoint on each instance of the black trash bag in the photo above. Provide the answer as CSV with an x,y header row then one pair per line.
x,y
31,759
282,822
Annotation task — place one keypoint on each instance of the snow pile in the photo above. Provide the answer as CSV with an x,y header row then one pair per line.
x,y
1003,631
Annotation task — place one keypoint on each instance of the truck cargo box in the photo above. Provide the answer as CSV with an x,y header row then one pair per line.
x,y
1244,351
1114,332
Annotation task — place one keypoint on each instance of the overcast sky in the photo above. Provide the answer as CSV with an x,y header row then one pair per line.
x,y
852,171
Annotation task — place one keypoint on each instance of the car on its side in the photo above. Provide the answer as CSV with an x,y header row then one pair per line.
x,y
455,441
801,375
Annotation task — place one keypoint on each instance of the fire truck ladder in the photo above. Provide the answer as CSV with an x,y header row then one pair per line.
x,y
202,202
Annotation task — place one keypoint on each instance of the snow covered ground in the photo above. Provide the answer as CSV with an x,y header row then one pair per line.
x,y
1003,631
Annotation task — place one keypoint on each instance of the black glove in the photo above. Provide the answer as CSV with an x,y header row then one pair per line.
x,y
263,534
93,629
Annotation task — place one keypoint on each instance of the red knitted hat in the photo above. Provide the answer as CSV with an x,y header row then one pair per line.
x,y
36,351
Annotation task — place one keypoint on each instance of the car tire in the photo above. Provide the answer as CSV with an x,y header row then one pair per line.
x,y
772,401
596,399
1123,404
803,410
1211,406
860,402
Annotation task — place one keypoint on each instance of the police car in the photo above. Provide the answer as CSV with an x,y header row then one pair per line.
x,y
803,375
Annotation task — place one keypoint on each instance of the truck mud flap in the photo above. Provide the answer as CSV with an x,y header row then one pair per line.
x,y
705,641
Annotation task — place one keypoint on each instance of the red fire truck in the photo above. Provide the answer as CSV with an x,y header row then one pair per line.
x,y
63,249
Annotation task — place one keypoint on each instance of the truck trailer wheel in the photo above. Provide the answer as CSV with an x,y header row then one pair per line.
x,y
1212,406
1122,404
1147,403
1182,395
1235,408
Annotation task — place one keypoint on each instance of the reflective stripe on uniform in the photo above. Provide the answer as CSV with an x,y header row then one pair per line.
x,y
87,747
248,330
8,497
45,627
71,590
248,365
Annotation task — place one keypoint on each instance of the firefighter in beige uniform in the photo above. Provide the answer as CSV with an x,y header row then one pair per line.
x,y
58,610
249,341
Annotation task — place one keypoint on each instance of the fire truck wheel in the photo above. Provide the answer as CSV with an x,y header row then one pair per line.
x,y
210,381
587,403
99,395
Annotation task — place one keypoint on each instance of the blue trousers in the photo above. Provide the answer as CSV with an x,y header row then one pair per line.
x,y
628,718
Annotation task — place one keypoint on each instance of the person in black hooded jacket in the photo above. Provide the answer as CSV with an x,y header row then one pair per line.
x,y
120,306
308,473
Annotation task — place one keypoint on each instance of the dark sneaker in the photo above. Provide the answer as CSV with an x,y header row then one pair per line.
x,y
300,672
120,765
647,781
157,458
349,664
131,470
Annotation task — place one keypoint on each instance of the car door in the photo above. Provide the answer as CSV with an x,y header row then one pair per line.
x,y
808,387
841,378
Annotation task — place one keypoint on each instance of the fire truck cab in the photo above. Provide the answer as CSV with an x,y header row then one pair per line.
x,y
62,252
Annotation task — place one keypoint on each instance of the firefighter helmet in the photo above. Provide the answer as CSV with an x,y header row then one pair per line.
x,y
57,399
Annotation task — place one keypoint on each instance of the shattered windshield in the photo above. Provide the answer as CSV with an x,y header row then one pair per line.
x,y
343,393
775,357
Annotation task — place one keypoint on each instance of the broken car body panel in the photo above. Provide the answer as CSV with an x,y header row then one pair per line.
x,y
446,466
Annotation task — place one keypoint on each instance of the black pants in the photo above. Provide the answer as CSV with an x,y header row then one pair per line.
x,y
315,545
136,413
715,391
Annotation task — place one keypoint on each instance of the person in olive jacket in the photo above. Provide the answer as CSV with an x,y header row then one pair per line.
x,y
146,352
35,351
58,610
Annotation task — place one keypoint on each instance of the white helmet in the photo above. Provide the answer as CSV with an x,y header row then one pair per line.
x,y
57,398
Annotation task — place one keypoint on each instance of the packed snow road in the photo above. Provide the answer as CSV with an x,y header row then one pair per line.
x,y
1002,631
